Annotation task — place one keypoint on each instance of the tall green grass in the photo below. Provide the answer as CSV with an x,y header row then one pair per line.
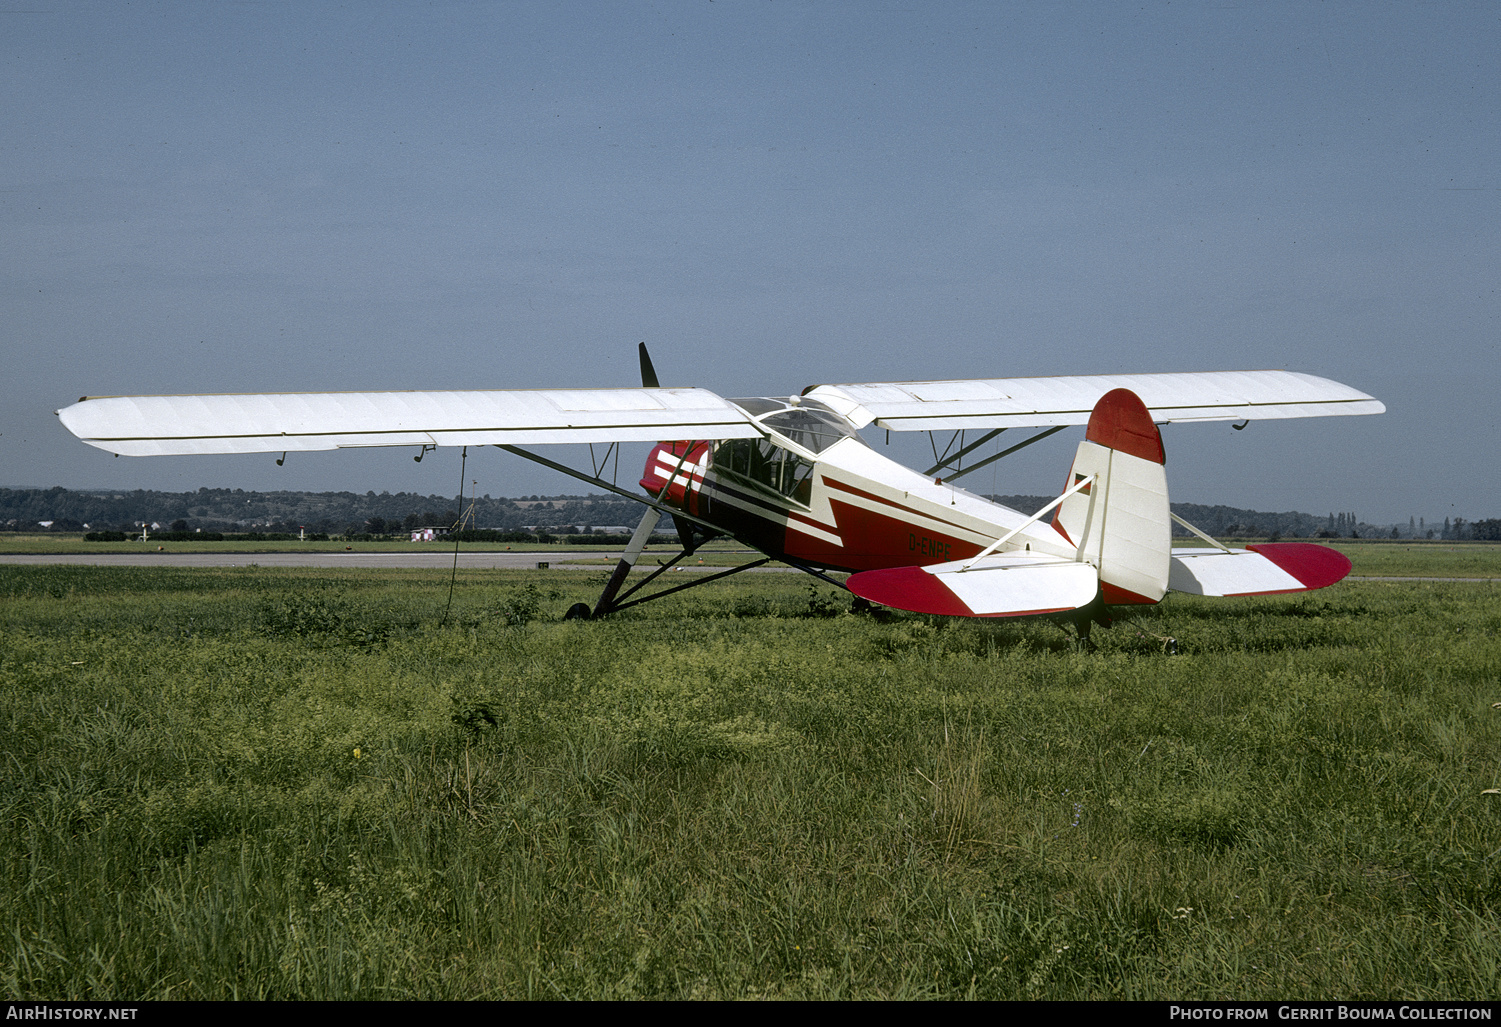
x,y
310,784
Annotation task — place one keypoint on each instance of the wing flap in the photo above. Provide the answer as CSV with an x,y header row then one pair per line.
x,y
1262,569
1038,402
175,425
1008,585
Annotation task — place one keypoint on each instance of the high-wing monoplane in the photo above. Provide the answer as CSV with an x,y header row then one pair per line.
x,y
793,479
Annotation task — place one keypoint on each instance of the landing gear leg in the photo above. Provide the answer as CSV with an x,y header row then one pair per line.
x,y
622,570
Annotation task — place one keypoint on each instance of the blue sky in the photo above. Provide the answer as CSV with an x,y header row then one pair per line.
x,y
242,197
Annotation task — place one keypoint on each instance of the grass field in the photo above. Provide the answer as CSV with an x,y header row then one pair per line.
x,y
1429,559
262,783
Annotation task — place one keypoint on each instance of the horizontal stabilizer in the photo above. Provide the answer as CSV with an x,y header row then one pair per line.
x,y
1008,585
1262,569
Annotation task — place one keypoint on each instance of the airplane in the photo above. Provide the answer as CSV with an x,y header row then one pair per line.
x,y
793,479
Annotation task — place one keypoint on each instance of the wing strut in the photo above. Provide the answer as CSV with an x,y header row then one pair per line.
x,y
607,486
1005,452
1196,531
946,460
1082,483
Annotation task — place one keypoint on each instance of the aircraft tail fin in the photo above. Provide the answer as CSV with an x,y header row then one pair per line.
x,y
1120,523
1116,518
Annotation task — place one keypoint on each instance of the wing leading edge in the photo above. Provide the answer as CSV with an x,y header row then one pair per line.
x,y
272,423
1038,402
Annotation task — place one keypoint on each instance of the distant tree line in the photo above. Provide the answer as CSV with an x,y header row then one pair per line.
x,y
239,511
1486,531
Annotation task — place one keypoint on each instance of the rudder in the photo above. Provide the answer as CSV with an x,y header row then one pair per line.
x,y
1120,523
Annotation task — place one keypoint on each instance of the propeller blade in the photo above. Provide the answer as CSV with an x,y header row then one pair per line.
x,y
648,373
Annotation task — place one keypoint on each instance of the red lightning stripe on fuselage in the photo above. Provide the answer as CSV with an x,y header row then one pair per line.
x,y
891,536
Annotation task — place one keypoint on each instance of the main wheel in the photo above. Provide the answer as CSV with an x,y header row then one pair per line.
x,y
578,611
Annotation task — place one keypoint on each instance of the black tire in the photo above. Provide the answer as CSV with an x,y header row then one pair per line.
x,y
578,611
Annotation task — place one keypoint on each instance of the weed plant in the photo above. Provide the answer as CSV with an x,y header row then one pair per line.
x,y
260,783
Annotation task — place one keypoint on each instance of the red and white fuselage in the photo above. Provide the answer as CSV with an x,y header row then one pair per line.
x,y
842,507
813,492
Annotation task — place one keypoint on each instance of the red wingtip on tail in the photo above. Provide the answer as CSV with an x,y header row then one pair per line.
x,y
1121,421
1314,566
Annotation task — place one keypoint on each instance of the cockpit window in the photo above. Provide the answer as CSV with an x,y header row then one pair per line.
x,y
772,465
765,463
758,405
811,429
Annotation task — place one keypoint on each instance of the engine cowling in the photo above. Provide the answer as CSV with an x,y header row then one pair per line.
x,y
680,466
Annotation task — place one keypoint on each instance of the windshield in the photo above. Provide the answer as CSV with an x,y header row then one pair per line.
x,y
768,462
814,430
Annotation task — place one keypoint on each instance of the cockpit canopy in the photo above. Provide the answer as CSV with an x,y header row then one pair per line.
x,y
769,463
808,423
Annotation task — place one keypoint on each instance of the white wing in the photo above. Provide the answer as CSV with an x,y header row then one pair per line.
x,y
1024,402
172,425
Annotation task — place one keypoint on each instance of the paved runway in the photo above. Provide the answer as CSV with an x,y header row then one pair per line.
x,y
324,559
481,561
